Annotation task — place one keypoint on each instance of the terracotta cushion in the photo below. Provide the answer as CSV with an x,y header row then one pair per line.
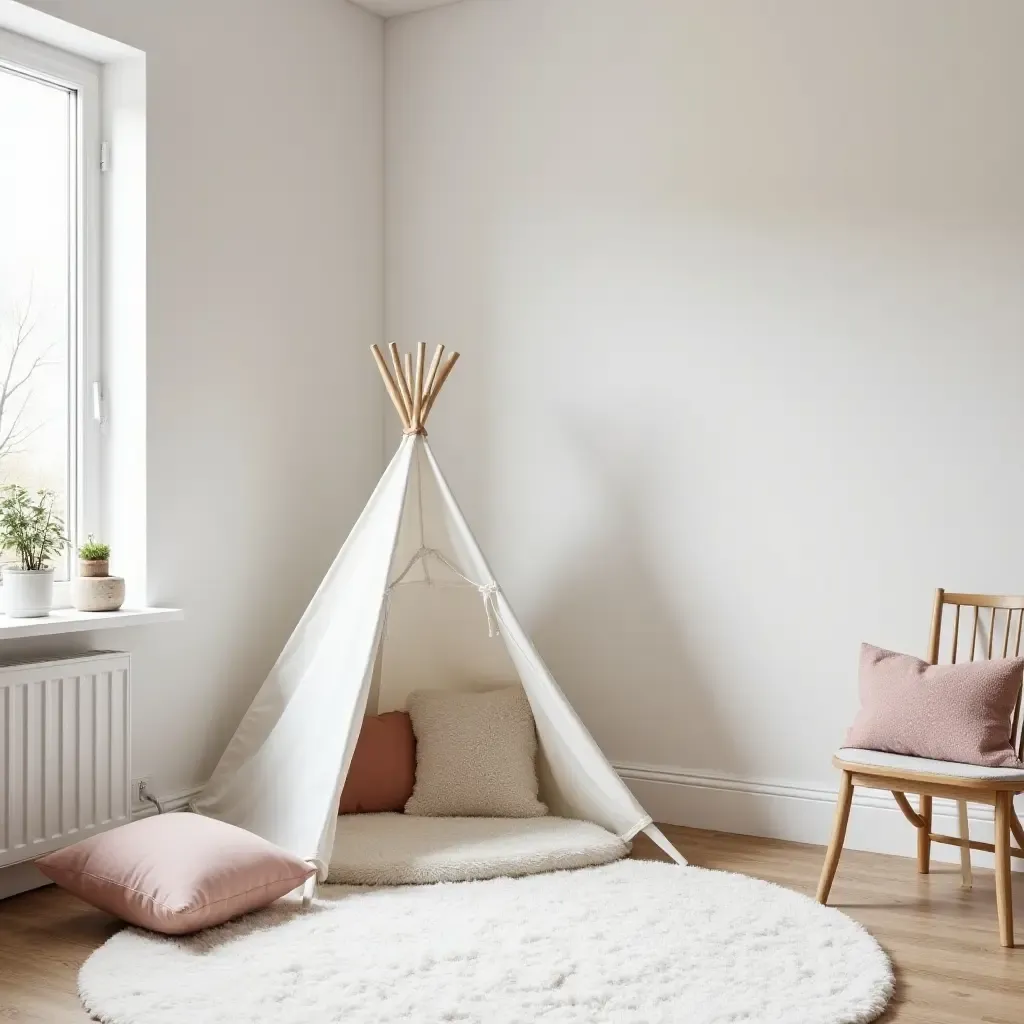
x,y
383,770
946,712
176,873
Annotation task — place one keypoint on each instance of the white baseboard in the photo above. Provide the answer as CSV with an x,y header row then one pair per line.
x,y
22,877
801,814
721,803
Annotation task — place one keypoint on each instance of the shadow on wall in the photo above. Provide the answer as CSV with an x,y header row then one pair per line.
x,y
619,630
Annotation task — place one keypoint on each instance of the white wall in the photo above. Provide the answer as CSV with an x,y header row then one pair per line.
x,y
264,288
738,288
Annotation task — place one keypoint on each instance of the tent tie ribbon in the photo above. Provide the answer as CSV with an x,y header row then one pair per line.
x,y
489,591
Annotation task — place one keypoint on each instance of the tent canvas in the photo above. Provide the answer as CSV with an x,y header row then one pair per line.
x,y
409,603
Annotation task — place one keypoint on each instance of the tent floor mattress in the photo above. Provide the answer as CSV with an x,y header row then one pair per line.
x,y
401,849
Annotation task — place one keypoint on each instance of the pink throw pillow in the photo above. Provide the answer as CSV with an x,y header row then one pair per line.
x,y
176,873
947,712
383,770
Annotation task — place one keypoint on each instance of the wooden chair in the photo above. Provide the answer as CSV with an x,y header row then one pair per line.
x,y
963,783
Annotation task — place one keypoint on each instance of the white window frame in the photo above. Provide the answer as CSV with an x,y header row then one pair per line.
x,y
38,60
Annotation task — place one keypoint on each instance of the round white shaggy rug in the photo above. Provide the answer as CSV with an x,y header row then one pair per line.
x,y
634,942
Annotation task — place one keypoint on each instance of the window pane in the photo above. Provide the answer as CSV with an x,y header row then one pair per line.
x,y
36,289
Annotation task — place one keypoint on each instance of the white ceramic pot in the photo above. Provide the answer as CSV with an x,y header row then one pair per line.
x,y
27,593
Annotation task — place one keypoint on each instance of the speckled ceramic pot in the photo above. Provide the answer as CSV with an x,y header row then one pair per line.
x,y
97,593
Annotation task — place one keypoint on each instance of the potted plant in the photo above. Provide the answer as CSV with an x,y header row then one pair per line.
x,y
35,533
94,558
95,590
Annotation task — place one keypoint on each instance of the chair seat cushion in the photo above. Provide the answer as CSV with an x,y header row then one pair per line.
x,y
903,763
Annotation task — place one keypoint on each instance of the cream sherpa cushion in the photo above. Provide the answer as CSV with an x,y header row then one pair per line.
x,y
476,754
399,849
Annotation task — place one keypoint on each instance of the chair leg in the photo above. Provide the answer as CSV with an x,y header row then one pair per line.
x,y
1016,830
924,842
966,876
1004,892
835,845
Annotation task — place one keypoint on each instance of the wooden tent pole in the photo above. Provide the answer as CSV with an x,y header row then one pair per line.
x,y
414,394
439,383
429,382
403,388
407,362
417,394
389,383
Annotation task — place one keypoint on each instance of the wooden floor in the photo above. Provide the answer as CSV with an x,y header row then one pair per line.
x,y
950,967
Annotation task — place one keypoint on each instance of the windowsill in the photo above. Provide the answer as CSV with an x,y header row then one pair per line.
x,y
67,620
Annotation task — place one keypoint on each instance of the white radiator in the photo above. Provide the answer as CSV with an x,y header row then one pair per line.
x,y
65,751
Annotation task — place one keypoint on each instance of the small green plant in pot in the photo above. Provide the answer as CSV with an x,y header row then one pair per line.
x,y
31,530
94,589
94,558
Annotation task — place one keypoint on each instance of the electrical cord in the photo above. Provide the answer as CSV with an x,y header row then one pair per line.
x,y
144,794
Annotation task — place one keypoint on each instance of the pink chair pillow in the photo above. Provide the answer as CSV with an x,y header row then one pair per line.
x,y
955,713
383,770
176,873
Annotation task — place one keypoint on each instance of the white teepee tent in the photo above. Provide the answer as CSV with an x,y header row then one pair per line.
x,y
408,603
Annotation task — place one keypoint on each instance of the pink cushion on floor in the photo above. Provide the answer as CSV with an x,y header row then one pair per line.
x,y
383,770
176,873
946,712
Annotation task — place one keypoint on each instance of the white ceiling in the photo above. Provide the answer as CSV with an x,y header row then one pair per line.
x,y
391,8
